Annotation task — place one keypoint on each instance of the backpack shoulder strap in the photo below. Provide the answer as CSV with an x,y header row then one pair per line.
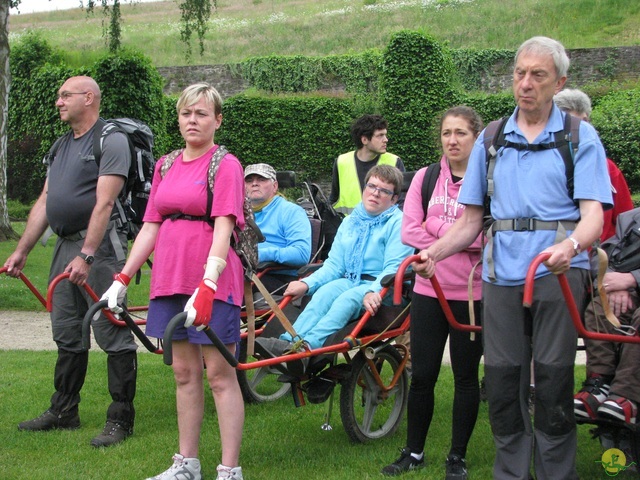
x,y
100,131
168,161
429,184
567,142
51,154
493,140
214,164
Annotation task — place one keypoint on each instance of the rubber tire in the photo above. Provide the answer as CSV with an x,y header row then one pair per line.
x,y
367,413
259,385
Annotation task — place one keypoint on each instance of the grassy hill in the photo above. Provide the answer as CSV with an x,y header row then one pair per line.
x,y
246,28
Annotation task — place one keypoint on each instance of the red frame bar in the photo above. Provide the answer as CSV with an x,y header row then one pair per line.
x,y
527,300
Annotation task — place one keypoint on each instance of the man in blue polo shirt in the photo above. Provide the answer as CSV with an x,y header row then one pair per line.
x,y
531,189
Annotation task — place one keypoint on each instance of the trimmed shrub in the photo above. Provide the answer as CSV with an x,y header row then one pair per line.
x,y
304,134
417,84
617,119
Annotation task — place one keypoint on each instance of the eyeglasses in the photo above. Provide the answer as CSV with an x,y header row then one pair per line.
x,y
371,188
67,95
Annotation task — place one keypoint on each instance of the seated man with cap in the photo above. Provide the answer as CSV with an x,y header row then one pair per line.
x,y
284,224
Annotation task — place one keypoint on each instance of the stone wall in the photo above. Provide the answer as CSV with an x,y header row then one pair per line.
x,y
587,65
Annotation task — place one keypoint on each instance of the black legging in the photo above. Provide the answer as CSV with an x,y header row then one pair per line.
x,y
429,331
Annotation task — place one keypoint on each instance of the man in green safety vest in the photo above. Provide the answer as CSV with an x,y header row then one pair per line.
x,y
369,134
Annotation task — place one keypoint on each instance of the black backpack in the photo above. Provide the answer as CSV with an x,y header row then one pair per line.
x,y
244,242
429,184
132,201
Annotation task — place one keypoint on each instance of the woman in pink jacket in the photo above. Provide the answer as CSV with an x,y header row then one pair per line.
x,y
459,128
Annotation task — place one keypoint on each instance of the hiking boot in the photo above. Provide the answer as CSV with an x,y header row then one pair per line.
x,y
403,464
113,432
182,469
586,402
456,468
227,473
619,408
50,420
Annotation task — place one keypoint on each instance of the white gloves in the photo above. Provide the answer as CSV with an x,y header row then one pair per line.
x,y
200,304
117,292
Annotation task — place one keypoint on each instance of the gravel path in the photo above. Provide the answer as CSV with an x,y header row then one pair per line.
x,y
32,331
28,331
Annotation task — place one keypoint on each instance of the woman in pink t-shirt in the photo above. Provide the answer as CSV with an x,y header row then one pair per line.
x,y
186,244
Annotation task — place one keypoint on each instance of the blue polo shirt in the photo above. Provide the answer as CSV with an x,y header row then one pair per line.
x,y
534,185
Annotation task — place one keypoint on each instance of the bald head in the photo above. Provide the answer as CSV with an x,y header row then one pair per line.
x,y
79,103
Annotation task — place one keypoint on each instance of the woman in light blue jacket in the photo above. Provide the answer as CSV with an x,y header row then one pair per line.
x,y
366,248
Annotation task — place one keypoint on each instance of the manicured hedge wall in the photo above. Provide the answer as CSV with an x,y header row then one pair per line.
x,y
410,83
303,134
617,119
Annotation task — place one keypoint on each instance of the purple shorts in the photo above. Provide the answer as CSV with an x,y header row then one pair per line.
x,y
225,320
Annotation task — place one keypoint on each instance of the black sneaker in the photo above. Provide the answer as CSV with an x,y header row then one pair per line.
x,y
403,464
50,420
456,468
113,432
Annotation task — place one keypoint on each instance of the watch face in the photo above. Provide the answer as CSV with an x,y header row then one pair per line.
x,y
88,259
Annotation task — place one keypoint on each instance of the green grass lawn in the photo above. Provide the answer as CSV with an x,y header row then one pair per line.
x,y
280,441
240,29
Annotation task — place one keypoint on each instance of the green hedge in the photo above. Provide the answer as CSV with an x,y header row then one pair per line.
x,y
617,119
410,83
303,134
417,84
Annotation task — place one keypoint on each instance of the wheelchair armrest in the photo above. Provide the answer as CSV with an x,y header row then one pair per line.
x,y
275,266
387,280
271,265
308,269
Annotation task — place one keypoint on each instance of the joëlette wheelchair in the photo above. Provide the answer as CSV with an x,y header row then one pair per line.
x,y
362,357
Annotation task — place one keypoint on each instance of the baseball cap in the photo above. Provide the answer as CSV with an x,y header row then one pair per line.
x,y
262,169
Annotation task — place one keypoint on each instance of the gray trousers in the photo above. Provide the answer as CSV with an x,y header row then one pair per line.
x,y
513,336
70,302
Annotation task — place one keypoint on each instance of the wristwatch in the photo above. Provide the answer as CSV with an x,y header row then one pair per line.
x,y
576,246
88,259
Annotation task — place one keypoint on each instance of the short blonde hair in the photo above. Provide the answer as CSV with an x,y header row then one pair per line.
x,y
195,92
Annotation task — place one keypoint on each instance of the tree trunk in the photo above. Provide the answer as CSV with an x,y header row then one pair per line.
x,y
6,232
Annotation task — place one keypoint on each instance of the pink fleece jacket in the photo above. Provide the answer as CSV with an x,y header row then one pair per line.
x,y
443,210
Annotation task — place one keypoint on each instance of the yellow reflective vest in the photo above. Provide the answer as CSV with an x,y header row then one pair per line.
x,y
350,188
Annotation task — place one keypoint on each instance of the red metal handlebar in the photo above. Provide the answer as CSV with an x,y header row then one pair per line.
x,y
439,293
30,286
576,318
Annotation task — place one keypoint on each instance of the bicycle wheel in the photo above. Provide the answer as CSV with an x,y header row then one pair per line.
x,y
259,385
369,411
